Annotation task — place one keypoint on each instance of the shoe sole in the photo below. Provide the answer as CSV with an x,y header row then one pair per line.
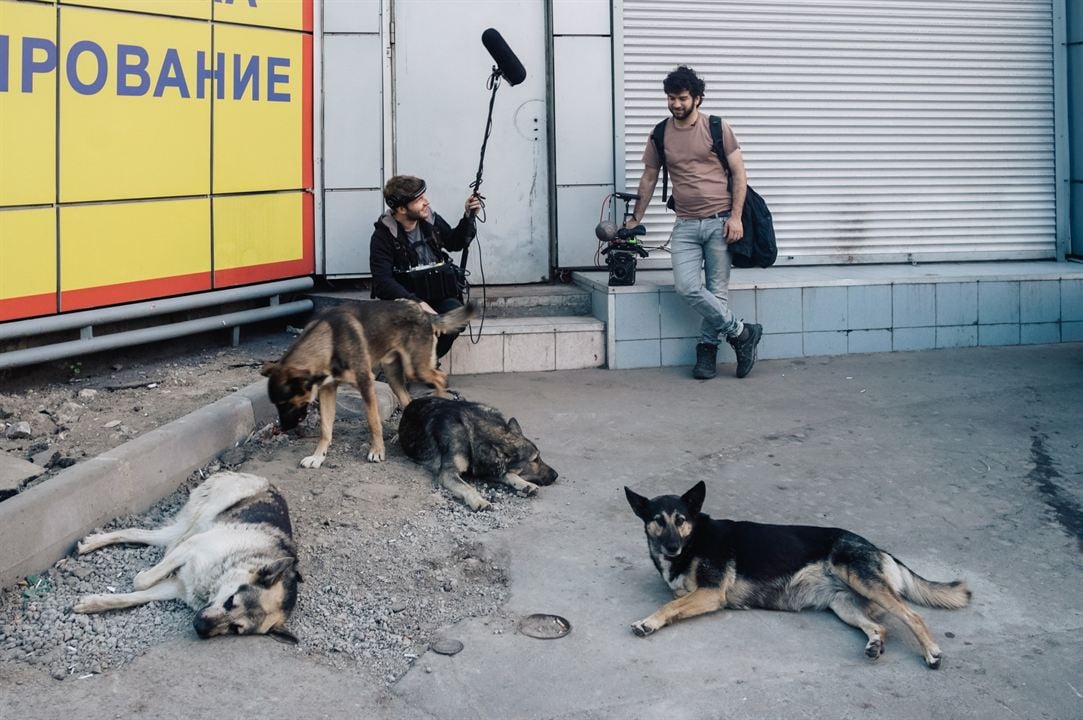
x,y
755,334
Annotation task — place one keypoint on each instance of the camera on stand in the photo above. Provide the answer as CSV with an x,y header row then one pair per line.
x,y
622,249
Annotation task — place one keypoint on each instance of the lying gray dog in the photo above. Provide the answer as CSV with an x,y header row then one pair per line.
x,y
453,437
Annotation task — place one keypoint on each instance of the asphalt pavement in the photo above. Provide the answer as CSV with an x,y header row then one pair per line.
x,y
962,463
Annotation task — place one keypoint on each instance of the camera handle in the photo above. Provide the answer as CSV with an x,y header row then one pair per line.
x,y
627,198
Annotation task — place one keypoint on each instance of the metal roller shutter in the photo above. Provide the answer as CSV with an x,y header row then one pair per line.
x,y
877,130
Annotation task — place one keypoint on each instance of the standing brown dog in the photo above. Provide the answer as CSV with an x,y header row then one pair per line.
x,y
346,344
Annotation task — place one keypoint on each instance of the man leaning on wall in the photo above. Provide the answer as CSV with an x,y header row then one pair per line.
x,y
708,205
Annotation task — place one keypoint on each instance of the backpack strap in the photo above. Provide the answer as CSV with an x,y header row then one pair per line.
x,y
658,137
719,148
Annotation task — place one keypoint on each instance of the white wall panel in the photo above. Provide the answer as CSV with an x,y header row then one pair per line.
x,y
578,210
348,219
878,130
352,113
583,110
353,124
1074,122
357,16
581,17
583,118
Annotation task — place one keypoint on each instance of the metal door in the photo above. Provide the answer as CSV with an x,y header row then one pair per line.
x,y
441,102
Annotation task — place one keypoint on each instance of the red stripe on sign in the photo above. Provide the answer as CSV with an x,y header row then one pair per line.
x,y
308,230
132,291
306,110
261,273
27,306
306,15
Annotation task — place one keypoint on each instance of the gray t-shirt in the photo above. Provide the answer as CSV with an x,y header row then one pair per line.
x,y
425,255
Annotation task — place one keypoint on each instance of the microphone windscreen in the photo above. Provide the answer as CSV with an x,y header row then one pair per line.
x,y
509,65
606,232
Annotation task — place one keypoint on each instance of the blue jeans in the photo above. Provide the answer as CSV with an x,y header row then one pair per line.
x,y
699,244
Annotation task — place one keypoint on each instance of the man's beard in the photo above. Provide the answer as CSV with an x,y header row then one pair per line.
x,y
681,114
417,216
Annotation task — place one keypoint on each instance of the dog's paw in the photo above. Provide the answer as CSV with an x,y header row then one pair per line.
x,y
478,504
376,455
142,580
643,628
84,546
874,649
528,490
87,604
932,658
312,461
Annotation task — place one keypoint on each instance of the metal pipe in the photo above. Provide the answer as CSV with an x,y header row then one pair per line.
x,y
86,318
45,353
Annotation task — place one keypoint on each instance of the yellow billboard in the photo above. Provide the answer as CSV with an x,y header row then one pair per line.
x,y
267,84
286,14
28,267
262,237
126,125
163,248
198,9
134,106
27,103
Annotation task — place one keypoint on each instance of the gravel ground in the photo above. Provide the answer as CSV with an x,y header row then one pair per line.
x,y
387,562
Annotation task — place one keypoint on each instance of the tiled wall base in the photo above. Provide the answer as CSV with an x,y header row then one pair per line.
x,y
836,310
527,344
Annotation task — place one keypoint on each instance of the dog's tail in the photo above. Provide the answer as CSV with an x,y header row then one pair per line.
x,y
454,320
915,588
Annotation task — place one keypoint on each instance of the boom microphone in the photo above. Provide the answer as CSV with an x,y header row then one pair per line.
x,y
509,65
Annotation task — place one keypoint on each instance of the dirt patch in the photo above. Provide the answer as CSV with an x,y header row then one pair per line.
x,y
62,413
387,559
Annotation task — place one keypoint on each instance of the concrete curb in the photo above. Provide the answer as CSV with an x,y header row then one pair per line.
x,y
39,526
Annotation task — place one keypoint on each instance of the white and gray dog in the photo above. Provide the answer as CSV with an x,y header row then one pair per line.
x,y
229,555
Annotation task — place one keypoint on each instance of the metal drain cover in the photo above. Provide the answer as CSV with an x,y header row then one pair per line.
x,y
544,627
446,646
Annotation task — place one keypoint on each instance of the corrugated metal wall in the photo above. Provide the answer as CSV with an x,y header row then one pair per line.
x,y
878,130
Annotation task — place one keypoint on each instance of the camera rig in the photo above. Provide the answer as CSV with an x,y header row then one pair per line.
x,y
620,245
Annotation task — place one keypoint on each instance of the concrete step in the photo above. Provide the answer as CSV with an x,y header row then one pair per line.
x,y
503,301
520,328
528,344
499,301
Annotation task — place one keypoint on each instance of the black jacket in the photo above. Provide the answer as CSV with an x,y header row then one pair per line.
x,y
389,250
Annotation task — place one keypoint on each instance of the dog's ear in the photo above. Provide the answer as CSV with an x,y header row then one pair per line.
x,y
694,498
268,368
283,635
513,425
269,574
639,504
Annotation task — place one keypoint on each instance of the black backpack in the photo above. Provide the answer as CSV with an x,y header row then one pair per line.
x,y
757,248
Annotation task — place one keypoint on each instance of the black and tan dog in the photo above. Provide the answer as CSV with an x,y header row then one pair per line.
x,y
712,564
229,555
346,344
452,437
